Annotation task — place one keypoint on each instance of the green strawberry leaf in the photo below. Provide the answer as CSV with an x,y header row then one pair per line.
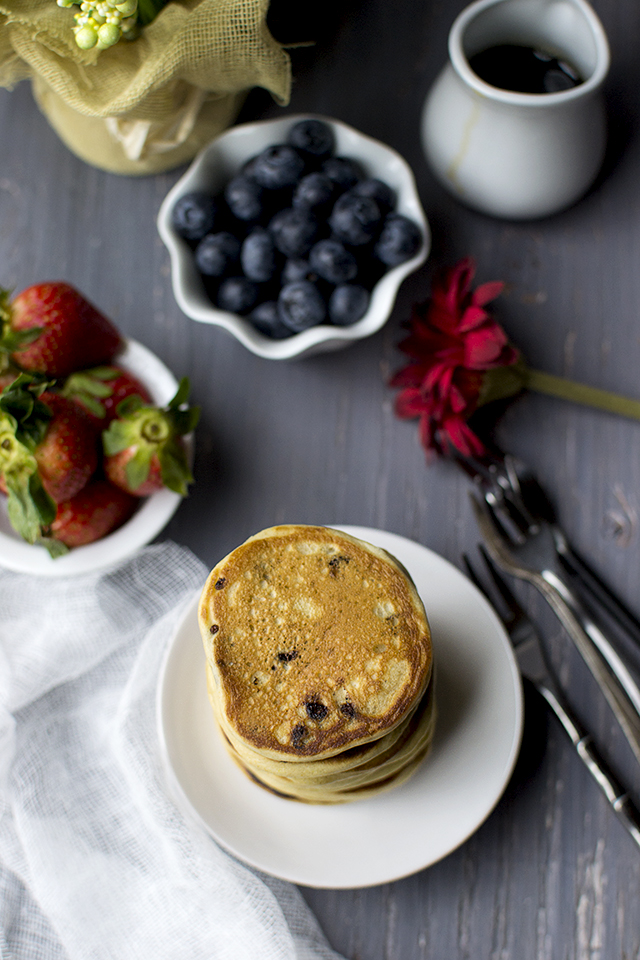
x,y
44,504
29,506
15,340
129,406
89,387
174,467
184,421
182,394
91,404
117,437
10,339
137,469
55,547
5,305
100,373
84,383
20,400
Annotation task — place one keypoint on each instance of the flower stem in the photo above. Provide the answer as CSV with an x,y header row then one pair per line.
x,y
579,393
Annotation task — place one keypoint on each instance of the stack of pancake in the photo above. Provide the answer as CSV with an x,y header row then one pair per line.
x,y
319,664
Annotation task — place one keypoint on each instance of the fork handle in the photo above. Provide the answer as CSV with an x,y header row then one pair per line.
x,y
619,799
617,665
614,680
594,587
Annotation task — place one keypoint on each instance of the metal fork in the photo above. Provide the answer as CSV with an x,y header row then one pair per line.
x,y
533,665
532,556
509,486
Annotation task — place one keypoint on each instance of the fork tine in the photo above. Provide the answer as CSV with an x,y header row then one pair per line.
x,y
497,541
510,514
497,479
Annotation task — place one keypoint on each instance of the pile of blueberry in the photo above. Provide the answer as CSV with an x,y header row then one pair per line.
x,y
298,237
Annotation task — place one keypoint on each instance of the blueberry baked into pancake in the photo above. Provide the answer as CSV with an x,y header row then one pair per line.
x,y
319,663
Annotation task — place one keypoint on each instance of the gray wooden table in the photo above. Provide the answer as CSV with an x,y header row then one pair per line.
x,y
551,874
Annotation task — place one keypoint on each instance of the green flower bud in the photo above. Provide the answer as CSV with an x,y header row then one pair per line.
x,y
87,37
108,34
128,8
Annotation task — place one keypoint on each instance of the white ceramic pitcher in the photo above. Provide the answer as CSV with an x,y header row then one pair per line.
x,y
519,155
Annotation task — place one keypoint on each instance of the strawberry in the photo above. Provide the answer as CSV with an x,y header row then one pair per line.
x,y
51,328
68,454
144,447
100,390
48,451
97,510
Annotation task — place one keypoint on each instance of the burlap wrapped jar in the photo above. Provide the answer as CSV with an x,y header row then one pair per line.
x,y
145,105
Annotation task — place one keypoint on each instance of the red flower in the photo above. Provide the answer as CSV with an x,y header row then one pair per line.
x,y
452,343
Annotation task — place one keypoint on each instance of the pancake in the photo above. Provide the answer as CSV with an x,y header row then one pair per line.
x,y
371,776
316,642
330,770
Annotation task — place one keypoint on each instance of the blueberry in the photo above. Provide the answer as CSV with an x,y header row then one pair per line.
x,y
248,166
300,306
399,240
355,220
258,255
316,710
194,215
314,192
266,319
294,232
347,304
343,171
312,137
331,261
377,190
244,198
237,294
295,269
277,167
217,253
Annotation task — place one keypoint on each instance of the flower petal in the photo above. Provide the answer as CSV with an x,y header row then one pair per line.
x,y
462,437
452,341
410,403
472,317
410,376
483,347
487,292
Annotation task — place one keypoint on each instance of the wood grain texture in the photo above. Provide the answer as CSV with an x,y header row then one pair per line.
x,y
551,874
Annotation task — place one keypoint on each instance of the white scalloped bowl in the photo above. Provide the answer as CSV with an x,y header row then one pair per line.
x,y
149,519
215,166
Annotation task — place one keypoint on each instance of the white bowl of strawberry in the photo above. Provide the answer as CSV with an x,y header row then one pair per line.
x,y
95,436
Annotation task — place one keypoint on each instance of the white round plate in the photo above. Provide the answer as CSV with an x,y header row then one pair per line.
x,y
149,519
367,842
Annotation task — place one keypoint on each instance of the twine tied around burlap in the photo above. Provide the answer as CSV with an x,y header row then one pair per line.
x,y
148,104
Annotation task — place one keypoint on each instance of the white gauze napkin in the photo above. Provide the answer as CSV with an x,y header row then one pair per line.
x,y
96,862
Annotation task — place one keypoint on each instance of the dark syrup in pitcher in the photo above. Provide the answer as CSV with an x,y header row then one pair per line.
x,y
524,69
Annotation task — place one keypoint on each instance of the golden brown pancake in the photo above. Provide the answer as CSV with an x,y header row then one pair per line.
x,y
399,754
317,643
